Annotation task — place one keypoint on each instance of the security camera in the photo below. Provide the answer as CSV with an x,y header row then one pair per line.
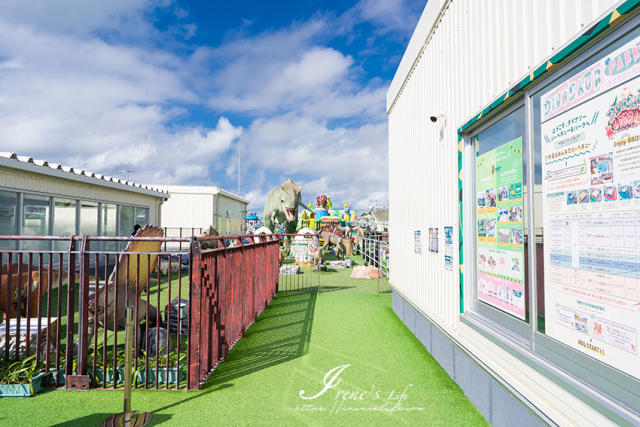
x,y
440,121
437,118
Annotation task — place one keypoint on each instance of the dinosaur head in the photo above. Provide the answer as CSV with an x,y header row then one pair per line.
x,y
290,199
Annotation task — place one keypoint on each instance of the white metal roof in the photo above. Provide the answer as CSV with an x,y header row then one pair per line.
x,y
43,167
428,20
202,189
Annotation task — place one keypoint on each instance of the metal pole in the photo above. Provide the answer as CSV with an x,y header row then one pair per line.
x,y
128,418
127,366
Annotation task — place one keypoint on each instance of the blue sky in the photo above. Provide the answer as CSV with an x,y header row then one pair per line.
x,y
174,92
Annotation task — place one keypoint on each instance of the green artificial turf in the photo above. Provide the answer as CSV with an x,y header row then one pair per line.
x,y
333,280
387,376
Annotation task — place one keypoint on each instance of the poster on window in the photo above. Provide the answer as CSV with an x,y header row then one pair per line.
x,y
417,242
500,237
448,247
433,240
590,131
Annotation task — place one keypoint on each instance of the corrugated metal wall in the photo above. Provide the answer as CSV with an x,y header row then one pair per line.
x,y
232,214
199,210
188,210
478,50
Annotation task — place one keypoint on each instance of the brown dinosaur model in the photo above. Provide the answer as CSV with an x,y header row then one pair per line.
x,y
14,277
210,244
332,238
129,290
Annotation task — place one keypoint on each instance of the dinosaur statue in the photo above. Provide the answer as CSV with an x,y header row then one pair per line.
x,y
129,290
10,292
282,205
346,238
332,238
319,261
210,244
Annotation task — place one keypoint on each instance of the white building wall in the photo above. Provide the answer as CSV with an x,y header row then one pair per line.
x,y
188,210
202,206
473,53
232,215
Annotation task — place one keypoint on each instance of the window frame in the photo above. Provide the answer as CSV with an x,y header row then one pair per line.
x,y
610,390
476,308
20,208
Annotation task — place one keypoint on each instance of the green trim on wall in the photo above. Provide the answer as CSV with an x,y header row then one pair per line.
x,y
572,47
587,36
460,259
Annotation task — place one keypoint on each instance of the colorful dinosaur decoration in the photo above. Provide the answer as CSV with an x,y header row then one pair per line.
x,y
282,205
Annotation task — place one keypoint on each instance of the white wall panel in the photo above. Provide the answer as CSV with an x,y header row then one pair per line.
x,y
475,52
188,210
232,214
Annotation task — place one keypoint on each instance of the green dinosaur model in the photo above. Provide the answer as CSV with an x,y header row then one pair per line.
x,y
282,205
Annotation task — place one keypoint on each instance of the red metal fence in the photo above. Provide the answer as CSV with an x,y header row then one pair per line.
x,y
230,288
64,305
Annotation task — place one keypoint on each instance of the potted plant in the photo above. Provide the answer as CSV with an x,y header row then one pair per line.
x,y
148,375
21,378
105,377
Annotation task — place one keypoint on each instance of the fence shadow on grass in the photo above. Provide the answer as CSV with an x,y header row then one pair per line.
x,y
97,419
281,333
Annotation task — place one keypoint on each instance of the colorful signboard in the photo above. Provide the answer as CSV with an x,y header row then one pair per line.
x,y
596,79
500,237
417,242
304,246
591,206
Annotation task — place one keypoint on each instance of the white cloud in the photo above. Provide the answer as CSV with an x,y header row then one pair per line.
x,y
287,70
90,84
257,198
182,157
90,104
387,16
348,163
79,16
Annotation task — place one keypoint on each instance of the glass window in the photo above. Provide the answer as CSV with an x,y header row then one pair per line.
x,y
142,216
586,128
501,234
8,215
35,220
88,218
109,219
64,220
584,121
126,220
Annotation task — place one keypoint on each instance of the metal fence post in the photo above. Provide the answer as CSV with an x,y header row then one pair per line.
x,y
83,302
70,306
195,291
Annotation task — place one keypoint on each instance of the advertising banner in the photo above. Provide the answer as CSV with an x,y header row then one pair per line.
x,y
448,247
591,205
417,242
433,239
500,237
